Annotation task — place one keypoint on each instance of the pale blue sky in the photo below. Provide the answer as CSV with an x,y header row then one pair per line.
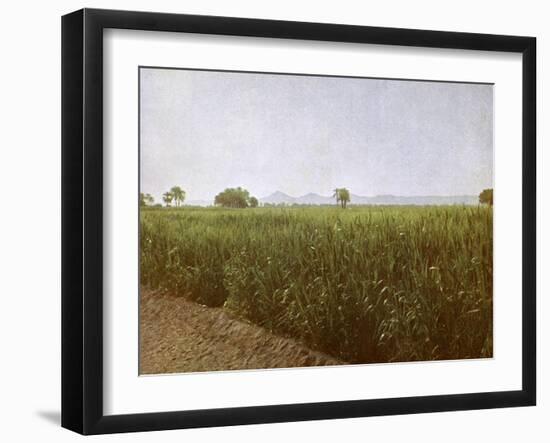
x,y
206,131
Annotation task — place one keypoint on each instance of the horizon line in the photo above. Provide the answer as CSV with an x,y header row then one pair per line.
x,y
356,195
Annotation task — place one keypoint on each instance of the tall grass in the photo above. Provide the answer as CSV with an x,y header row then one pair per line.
x,y
365,284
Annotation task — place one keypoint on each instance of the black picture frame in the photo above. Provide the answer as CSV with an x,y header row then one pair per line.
x,y
82,219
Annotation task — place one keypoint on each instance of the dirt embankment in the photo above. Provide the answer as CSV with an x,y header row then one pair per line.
x,y
177,335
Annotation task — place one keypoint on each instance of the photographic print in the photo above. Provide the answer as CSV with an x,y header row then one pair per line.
x,y
292,220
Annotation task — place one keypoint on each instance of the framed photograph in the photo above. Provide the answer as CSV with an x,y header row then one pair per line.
x,y
269,221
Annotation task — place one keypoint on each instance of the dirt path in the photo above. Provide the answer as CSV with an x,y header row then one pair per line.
x,y
181,336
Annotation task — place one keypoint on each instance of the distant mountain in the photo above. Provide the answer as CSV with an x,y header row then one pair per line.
x,y
415,200
279,197
314,199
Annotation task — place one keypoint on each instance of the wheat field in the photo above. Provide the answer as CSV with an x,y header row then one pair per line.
x,y
365,284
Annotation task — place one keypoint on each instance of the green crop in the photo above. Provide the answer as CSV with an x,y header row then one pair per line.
x,y
364,284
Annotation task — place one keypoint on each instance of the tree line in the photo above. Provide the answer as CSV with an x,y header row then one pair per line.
x,y
228,198
241,198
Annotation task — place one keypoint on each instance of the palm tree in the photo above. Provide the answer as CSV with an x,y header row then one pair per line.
x,y
342,196
337,195
167,197
178,194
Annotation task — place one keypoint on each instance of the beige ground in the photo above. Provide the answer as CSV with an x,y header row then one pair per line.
x,y
177,335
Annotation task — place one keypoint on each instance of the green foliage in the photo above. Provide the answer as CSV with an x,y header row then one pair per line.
x,y
369,284
343,197
146,199
486,197
235,198
178,195
167,197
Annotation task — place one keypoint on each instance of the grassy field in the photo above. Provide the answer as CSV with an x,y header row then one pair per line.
x,y
365,284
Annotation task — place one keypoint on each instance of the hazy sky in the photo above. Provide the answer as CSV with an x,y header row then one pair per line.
x,y
206,131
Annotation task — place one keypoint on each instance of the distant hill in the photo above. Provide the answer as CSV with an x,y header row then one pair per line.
x,y
415,200
279,197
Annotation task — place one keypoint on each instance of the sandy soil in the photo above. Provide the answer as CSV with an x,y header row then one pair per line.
x,y
177,335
